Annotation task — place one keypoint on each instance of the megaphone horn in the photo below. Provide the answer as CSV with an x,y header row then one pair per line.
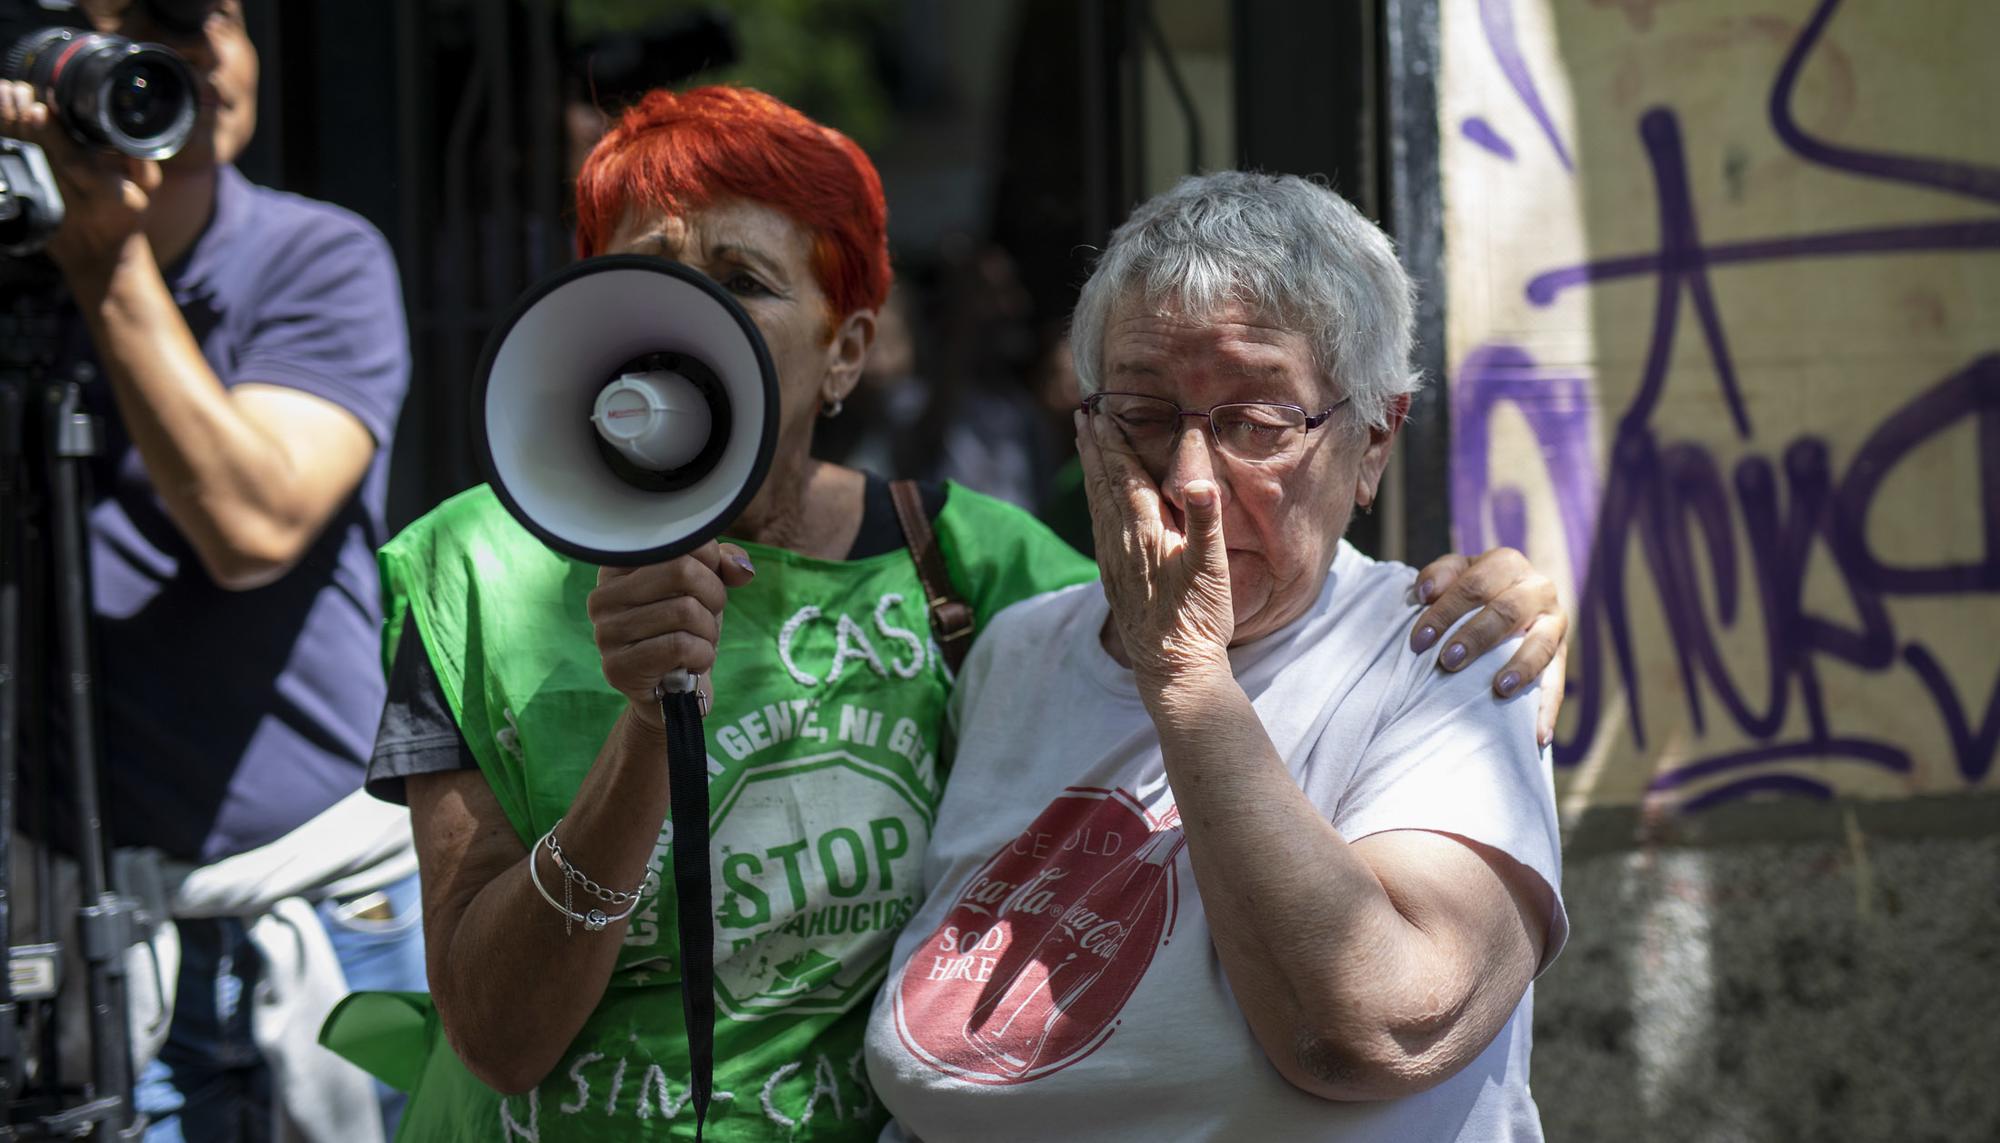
x,y
626,410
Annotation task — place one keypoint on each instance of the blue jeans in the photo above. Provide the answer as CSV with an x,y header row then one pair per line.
x,y
209,1084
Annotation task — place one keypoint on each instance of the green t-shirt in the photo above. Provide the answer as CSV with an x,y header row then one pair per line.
x,y
825,765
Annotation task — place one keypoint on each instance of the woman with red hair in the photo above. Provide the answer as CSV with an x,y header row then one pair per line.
x,y
530,755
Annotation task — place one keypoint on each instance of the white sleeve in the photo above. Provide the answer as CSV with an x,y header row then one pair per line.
x,y
1457,759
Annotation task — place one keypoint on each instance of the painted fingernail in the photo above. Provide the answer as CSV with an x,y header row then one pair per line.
x,y
1508,681
1426,589
1452,657
1425,636
743,561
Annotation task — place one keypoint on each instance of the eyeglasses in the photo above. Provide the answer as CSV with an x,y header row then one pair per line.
x,y
1255,432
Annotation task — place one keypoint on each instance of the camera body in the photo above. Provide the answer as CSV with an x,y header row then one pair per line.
x,y
31,208
108,92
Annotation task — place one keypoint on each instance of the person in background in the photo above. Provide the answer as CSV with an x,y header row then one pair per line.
x,y
1064,508
940,395
980,420
246,352
523,730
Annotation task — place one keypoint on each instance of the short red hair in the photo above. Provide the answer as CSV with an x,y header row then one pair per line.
x,y
680,151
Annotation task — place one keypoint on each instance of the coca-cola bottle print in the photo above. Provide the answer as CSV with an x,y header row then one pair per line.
x,y
1029,969
1013,1023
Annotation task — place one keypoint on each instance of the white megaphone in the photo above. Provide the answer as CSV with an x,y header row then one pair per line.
x,y
626,410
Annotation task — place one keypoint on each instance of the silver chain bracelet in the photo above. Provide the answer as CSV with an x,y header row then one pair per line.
x,y
595,919
608,896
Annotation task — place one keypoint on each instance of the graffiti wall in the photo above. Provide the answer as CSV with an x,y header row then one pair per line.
x,y
1724,297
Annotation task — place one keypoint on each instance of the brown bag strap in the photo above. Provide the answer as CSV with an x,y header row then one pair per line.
x,y
951,616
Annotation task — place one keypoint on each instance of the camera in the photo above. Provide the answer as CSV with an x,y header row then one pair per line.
x,y
107,91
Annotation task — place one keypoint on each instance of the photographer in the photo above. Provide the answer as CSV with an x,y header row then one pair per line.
x,y
247,354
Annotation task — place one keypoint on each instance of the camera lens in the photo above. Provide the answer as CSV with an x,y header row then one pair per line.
x,y
138,99
144,99
134,98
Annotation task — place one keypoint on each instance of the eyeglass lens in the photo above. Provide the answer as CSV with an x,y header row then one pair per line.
x,y
1146,427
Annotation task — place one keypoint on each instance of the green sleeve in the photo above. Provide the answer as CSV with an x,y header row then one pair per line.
x,y
424,580
998,555
431,576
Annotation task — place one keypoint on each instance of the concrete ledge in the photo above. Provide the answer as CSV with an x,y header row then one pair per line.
x,y
1619,829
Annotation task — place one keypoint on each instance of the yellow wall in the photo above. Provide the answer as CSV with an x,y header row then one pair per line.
x,y
1724,297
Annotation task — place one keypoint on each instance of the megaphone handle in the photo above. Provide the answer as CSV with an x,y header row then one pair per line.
x,y
681,709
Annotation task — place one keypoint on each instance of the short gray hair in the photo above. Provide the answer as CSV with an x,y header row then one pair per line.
x,y
1292,249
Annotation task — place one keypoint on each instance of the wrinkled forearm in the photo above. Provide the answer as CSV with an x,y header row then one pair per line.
x,y
512,987
229,485
1347,996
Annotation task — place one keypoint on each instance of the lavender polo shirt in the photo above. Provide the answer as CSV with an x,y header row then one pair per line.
x,y
232,717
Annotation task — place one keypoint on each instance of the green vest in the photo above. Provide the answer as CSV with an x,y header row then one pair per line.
x,y
825,763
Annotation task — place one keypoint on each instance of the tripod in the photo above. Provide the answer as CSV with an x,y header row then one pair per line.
x,y
46,440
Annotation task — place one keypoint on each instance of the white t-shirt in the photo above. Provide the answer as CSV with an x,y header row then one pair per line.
x,y
1059,981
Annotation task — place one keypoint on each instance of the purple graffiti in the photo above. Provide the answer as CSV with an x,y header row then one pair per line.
x,y
1973,746
1561,409
1681,272
1975,392
1672,503
1482,134
1496,17
1970,179
1670,510
1543,288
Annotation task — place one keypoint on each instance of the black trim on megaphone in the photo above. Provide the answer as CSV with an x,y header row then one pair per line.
x,y
767,439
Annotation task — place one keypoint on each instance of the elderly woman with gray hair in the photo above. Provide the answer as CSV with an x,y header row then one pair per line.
x,y
1219,859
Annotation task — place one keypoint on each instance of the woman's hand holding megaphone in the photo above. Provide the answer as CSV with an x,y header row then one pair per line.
x,y
651,621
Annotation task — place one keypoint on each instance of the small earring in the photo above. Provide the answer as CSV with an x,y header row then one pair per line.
x,y
829,409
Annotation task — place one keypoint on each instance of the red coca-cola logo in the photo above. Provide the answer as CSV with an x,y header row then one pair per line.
x,y
1029,969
